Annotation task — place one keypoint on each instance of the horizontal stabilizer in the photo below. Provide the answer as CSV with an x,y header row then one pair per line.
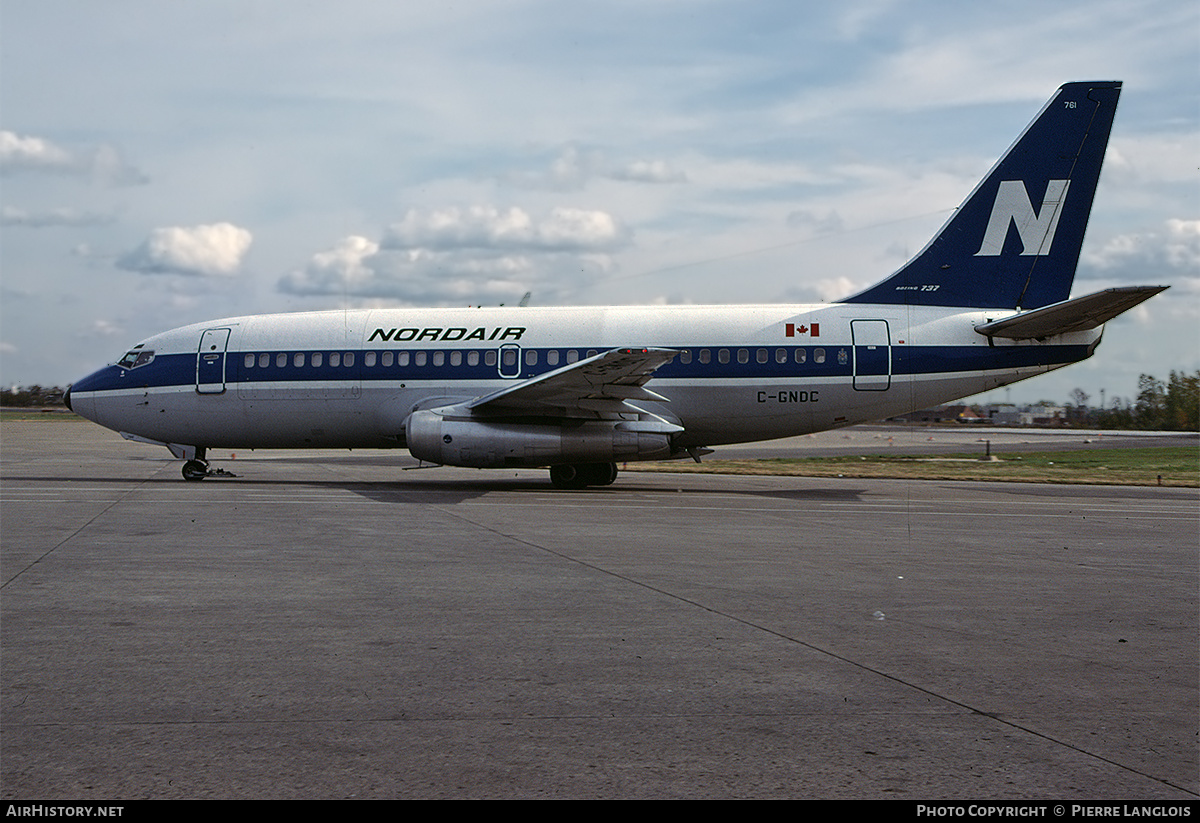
x,y
1080,314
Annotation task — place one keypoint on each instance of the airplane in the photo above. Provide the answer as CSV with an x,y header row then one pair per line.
x,y
578,390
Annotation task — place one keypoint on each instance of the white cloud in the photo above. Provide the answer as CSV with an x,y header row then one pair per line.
x,y
210,250
104,164
65,216
573,168
1150,159
836,288
341,269
829,223
472,256
346,260
1169,256
107,166
487,227
649,171
106,328
1174,249
1183,244
24,153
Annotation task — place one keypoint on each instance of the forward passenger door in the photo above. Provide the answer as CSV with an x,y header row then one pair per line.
x,y
210,361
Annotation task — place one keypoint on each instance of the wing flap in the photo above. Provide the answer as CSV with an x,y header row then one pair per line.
x,y
601,383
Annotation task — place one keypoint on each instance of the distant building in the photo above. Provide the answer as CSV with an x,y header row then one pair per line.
x,y
946,414
1006,414
995,414
1047,415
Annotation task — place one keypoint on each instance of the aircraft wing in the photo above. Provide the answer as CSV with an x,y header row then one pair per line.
x,y
1080,314
601,383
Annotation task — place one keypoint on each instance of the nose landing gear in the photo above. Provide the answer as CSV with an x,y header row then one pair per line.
x,y
197,468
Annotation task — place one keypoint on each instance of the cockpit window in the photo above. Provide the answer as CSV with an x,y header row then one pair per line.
x,y
136,357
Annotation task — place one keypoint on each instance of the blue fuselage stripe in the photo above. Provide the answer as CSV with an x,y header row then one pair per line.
x,y
174,370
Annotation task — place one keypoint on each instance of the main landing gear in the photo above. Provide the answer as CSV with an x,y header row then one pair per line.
x,y
579,475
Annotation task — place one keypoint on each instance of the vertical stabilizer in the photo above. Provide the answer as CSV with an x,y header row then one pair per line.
x,y
1015,241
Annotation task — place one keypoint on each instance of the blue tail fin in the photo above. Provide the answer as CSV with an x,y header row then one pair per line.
x,y
1001,249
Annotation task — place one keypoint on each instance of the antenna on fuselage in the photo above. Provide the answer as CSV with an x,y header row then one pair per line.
x,y
524,300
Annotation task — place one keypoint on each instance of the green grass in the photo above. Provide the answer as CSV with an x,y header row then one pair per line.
x,y
8,413
1174,466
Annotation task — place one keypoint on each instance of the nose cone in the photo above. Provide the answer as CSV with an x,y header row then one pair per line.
x,y
81,396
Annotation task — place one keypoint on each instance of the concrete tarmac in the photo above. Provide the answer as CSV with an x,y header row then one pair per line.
x,y
328,626
977,440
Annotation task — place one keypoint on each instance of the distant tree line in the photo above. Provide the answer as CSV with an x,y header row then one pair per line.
x,y
32,396
1170,406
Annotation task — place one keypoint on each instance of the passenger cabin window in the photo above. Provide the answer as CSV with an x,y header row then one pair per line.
x,y
264,360
818,355
388,359
281,360
249,361
335,359
369,359
318,359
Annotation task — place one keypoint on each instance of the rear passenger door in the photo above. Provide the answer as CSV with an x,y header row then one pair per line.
x,y
872,355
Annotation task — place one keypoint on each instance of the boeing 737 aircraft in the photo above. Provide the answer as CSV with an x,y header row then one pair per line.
x,y
579,390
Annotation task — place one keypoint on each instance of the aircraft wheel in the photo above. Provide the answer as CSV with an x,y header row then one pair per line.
x,y
195,470
568,477
602,474
579,475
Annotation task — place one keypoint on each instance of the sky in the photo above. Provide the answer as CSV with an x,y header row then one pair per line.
x,y
169,163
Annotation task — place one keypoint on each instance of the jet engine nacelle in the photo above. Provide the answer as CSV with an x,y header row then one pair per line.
x,y
449,441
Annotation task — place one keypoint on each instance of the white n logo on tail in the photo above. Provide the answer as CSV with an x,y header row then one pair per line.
x,y
1012,205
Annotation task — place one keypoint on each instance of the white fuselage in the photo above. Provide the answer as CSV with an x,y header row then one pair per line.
x,y
349,379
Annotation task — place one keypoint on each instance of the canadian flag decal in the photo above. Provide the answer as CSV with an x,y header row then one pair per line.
x,y
792,330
